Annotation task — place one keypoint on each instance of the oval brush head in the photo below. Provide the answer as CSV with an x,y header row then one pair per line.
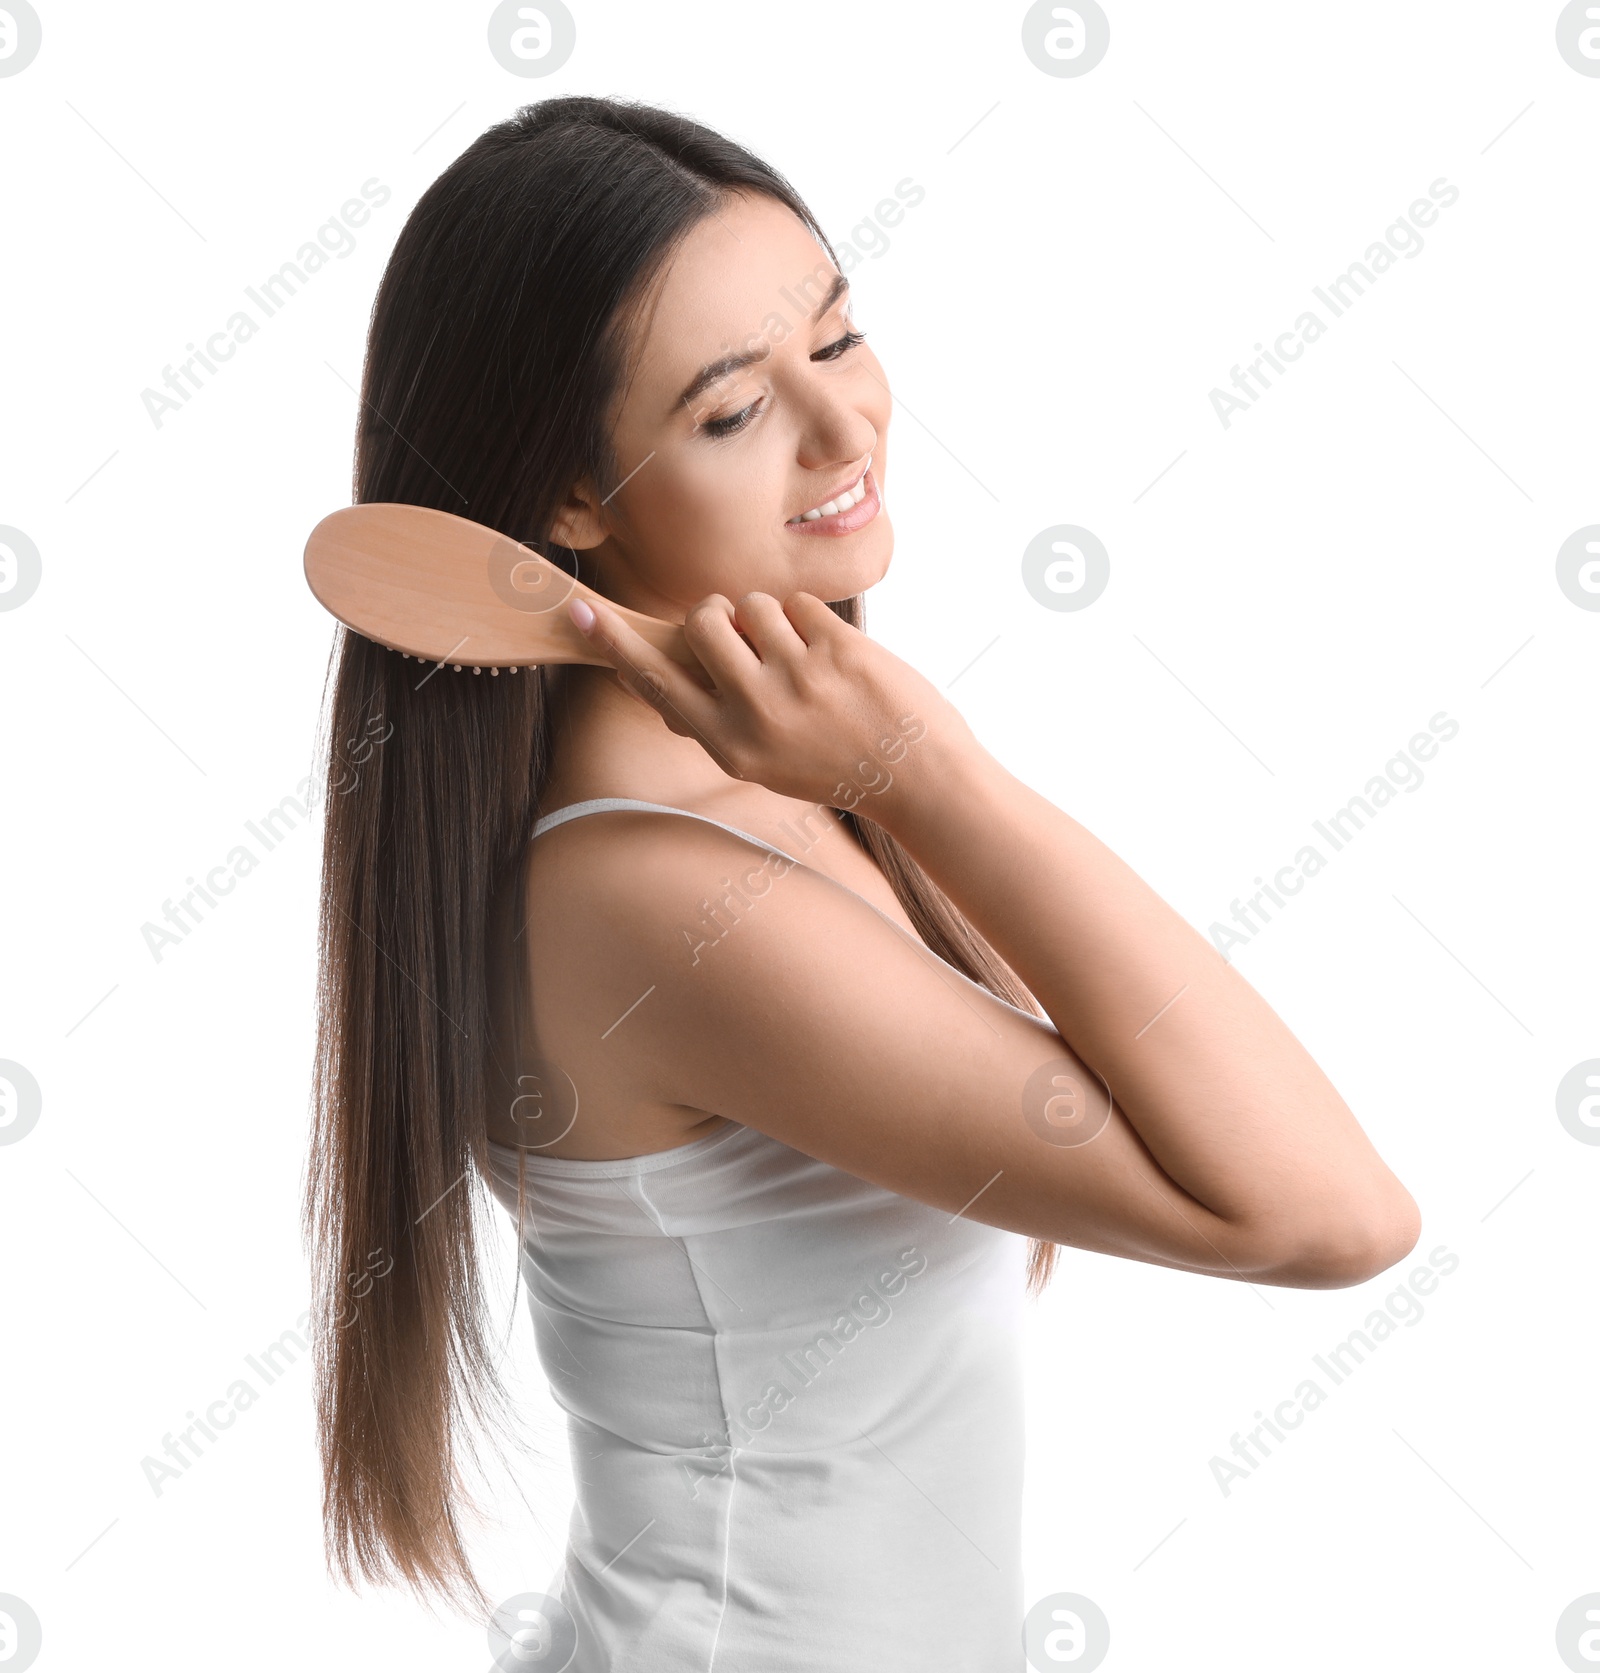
x,y
444,589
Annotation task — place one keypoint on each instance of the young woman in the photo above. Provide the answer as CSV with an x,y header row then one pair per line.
x,y
794,1030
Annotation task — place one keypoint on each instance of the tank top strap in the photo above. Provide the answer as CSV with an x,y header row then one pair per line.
x,y
610,804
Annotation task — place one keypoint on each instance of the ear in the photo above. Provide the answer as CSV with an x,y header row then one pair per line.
x,y
580,523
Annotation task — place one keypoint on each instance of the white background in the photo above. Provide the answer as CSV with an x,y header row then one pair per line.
x,y
1371,544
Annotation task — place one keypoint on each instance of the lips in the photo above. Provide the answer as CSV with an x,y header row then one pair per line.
x,y
854,517
841,499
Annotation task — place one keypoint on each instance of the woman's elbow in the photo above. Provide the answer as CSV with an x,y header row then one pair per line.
x,y
1361,1243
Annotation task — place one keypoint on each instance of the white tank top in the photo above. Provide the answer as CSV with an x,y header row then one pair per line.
x,y
794,1407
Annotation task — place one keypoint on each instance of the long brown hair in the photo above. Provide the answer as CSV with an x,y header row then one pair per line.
x,y
496,346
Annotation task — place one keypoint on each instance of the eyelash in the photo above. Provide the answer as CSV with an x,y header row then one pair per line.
x,y
737,421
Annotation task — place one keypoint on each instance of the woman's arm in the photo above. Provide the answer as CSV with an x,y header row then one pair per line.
x,y
1229,1102
1226,1150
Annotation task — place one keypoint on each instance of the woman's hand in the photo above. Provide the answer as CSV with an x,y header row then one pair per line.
x,y
793,697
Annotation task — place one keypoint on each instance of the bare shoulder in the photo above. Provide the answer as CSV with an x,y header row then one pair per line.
x,y
590,888
697,972
689,976
644,901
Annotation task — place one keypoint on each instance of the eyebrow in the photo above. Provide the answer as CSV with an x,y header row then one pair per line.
x,y
716,370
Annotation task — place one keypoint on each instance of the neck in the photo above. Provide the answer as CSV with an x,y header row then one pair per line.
x,y
607,743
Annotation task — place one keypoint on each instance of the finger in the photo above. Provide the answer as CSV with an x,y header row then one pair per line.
x,y
714,636
811,618
629,687
658,681
761,619
653,677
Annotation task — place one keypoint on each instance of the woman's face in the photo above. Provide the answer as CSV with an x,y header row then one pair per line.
x,y
752,402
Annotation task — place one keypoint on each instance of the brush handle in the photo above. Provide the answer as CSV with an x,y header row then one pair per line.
x,y
667,637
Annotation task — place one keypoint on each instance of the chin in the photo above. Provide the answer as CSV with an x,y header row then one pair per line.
x,y
856,574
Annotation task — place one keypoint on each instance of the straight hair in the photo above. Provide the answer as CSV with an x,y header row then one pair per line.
x,y
497,346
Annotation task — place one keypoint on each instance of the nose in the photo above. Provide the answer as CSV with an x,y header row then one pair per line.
x,y
845,438
836,430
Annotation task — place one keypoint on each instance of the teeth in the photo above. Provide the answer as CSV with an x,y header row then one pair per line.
x,y
832,508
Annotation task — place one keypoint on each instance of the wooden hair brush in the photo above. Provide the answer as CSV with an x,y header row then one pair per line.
x,y
445,590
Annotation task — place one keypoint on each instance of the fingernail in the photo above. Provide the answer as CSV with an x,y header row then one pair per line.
x,y
581,613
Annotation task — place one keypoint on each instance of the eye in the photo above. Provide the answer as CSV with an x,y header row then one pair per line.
x,y
843,346
737,420
734,421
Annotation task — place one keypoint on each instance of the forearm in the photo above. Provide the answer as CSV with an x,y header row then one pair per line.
x,y
1229,1103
